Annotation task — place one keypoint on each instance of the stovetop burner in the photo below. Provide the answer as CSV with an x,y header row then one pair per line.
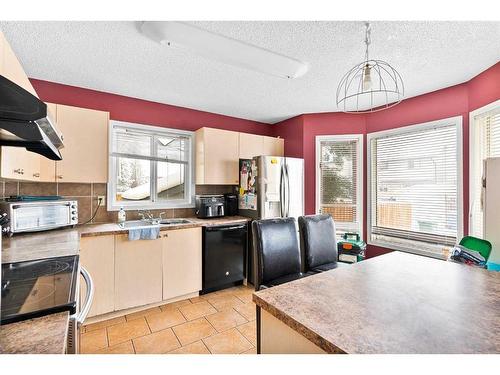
x,y
35,288
28,270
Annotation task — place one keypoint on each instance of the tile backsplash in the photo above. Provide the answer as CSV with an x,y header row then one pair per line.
x,y
86,194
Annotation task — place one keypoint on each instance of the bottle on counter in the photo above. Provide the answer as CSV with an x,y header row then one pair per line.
x,y
122,215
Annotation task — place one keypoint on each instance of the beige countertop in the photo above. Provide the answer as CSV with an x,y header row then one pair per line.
x,y
394,303
45,335
48,334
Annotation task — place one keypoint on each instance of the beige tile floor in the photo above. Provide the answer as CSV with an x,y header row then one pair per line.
x,y
222,322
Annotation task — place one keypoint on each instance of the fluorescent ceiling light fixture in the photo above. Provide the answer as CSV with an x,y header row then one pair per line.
x,y
224,49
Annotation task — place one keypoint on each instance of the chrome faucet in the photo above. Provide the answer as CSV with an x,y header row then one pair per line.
x,y
144,215
140,214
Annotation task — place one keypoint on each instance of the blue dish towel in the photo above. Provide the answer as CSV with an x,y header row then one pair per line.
x,y
150,233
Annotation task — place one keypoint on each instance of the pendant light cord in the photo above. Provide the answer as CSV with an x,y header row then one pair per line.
x,y
368,38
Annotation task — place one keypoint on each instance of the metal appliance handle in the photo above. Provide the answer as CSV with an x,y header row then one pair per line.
x,y
212,229
282,192
288,191
41,203
82,315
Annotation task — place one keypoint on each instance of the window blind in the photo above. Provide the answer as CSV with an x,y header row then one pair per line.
x,y
414,188
486,144
338,182
165,147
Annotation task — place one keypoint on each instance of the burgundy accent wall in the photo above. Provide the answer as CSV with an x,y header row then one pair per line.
x,y
292,131
123,108
484,88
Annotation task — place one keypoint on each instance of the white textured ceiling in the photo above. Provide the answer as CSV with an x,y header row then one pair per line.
x,y
115,57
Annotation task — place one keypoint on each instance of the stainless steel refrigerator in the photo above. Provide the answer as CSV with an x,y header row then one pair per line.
x,y
270,187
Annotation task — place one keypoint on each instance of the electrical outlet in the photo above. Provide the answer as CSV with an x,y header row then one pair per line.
x,y
101,198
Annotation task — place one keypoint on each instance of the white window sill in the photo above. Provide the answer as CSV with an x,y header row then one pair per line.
x,y
149,206
407,249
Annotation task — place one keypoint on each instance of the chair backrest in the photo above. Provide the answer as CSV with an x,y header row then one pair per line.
x,y
318,240
276,249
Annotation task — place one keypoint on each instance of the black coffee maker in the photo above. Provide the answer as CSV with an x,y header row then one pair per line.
x,y
231,201
208,206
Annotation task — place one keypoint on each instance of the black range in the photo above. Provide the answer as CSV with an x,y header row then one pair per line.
x,y
39,287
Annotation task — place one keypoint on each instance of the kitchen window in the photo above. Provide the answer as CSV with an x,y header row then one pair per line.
x,y
339,180
150,167
484,143
415,187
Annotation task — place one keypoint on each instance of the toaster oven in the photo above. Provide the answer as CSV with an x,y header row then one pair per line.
x,y
40,215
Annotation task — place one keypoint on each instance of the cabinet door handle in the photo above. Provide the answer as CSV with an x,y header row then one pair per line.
x,y
36,175
19,171
165,235
60,176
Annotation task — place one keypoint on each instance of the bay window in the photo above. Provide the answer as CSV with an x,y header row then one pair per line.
x,y
484,143
339,180
414,183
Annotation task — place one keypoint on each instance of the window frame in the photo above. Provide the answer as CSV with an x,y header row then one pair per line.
x,y
359,178
419,250
113,205
473,156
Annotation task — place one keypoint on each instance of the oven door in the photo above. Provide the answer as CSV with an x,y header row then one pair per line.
x,y
37,216
76,320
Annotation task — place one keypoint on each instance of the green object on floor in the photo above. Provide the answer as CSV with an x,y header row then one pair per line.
x,y
483,247
351,248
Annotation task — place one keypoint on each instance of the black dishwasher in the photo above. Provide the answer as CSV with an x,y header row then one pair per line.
x,y
224,252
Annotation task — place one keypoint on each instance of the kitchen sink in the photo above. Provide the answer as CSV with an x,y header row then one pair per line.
x,y
137,224
174,221
151,222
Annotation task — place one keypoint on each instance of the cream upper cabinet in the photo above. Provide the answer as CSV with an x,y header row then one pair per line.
x,y
181,262
217,157
10,67
85,152
251,145
16,162
138,272
97,255
273,146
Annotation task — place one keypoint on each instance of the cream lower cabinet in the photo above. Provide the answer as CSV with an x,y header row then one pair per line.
x,y
181,262
138,272
97,255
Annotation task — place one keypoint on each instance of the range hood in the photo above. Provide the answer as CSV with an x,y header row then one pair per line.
x,y
24,122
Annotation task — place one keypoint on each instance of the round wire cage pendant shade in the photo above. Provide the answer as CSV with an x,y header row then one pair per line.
x,y
370,86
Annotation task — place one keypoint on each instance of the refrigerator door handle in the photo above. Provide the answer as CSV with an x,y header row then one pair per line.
x,y
288,191
282,176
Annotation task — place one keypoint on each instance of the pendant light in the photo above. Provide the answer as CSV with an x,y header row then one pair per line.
x,y
370,86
